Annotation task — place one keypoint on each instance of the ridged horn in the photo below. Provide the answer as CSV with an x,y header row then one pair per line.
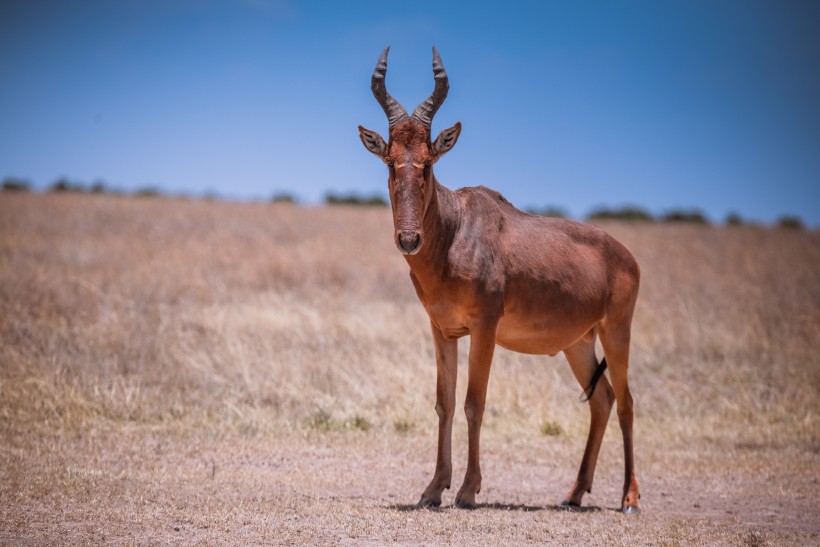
x,y
395,112
426,110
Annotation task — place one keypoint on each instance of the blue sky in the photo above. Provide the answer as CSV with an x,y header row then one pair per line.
x,y
706,104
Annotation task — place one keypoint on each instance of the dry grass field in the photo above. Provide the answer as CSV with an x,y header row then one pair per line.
x,y
203,372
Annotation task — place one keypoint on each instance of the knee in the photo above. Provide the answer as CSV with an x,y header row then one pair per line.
x,y
606,395
625,408
602,401
443,412
473,410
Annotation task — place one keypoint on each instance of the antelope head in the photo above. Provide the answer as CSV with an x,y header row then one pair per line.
x,y
410,153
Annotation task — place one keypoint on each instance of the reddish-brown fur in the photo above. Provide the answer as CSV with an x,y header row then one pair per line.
x,y
531,284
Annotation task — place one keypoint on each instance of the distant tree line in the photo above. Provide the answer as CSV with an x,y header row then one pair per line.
x,y
332,198
629,213
632,213
64,184
548,211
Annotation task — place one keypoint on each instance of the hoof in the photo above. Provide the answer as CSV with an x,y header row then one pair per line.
x,y
570,505
424,502
461,504
631,510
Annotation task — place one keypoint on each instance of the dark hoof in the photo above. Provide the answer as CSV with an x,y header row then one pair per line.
x,y
424,502
461,504
631,510
570,505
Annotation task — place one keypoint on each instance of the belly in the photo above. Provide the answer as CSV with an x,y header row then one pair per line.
x,y
541,338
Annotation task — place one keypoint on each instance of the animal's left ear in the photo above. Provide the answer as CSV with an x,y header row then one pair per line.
x,y
446,140
373,141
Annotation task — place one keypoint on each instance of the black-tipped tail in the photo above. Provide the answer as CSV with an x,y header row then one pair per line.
x,y
590,389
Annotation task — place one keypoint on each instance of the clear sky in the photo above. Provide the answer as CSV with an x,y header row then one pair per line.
x,y
698,103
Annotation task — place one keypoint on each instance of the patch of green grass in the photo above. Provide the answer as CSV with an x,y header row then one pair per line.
x,y
551,429
359,422
403,426
321,420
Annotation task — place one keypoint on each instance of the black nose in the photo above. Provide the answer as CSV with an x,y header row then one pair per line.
x,y
409,241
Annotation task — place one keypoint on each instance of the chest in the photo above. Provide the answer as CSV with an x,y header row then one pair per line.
x,y
453,304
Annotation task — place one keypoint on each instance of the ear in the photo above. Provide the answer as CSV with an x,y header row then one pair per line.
x,y
373,142
446,140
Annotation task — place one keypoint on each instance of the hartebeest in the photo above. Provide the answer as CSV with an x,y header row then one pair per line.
x,y
527,283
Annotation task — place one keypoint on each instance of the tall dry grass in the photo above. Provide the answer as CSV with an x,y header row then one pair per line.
x,y
183,313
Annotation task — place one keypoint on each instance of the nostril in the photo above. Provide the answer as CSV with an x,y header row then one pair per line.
x,y
409,241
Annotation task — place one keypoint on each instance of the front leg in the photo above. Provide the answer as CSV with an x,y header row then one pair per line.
x,y
482,346
446,368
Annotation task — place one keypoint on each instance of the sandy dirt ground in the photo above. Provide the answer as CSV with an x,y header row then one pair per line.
x,y
147,486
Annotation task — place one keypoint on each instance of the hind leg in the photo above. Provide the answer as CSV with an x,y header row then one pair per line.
x,y
615,340
583,363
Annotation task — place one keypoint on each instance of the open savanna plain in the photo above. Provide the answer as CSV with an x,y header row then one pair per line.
x,y
202,372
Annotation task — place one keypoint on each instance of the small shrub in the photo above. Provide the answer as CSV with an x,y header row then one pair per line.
x,y
551,429
283,197
12,184
98,187
790,222
147,192
682,215
359,422
403,426
734,219
321,420
754,539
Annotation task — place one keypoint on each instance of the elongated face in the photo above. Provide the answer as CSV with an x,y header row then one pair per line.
x,y
409,157
409,181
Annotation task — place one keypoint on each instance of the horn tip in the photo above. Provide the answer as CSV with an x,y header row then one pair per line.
x,y
437,64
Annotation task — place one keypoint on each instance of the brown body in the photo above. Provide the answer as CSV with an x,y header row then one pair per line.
x,y
530,284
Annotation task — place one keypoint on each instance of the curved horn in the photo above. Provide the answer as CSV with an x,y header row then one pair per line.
x,y
395,112
426,110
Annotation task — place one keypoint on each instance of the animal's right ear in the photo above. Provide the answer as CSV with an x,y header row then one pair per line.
x,y
373,142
